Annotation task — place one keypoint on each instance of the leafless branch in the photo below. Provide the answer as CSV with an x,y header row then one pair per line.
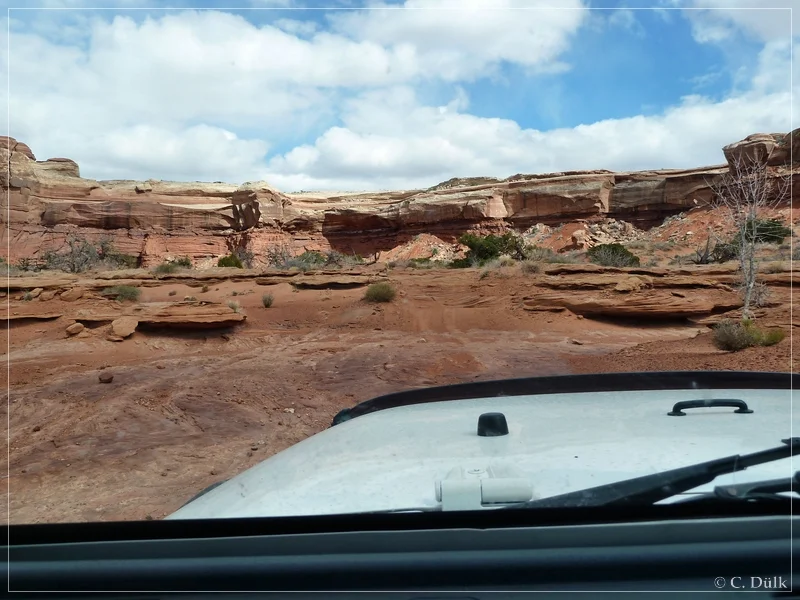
x,y
743,193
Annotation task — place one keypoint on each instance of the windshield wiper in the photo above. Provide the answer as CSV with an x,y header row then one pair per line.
x,y
660,486
752,491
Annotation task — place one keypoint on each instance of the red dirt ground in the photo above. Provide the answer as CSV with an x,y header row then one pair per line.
x,y
186,410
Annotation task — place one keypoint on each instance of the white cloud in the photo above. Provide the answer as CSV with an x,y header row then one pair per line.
x,y
204,95
763,20
461,39
388,137
144,151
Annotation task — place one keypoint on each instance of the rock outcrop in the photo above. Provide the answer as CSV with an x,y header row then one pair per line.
x,y
156,220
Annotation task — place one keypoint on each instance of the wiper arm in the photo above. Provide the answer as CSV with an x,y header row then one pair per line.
x,y
660,486
751,491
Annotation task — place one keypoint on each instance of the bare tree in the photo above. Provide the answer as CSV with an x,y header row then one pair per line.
x,y
744,192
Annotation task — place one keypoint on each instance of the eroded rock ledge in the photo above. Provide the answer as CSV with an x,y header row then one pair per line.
x,y
157,220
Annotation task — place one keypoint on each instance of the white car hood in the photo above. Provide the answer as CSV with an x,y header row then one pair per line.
x,y
392,459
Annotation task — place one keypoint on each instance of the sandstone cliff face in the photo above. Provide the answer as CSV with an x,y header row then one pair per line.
x,y
155,220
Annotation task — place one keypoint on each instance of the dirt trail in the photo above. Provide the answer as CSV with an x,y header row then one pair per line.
x,y
187,409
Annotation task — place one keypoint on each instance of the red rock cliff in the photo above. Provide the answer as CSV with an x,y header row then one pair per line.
x,y
156,219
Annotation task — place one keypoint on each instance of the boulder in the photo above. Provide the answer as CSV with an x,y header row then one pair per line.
x,y
73,294
122,328
74,329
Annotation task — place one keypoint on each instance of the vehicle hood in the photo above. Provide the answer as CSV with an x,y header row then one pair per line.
x,y
556,442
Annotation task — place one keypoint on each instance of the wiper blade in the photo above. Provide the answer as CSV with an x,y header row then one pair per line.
x,y
752,491
660,486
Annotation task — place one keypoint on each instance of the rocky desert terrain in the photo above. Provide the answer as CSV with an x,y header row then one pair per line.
x,y
123,410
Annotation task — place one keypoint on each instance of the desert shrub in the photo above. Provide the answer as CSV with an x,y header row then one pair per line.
x,y
612,255
733,336
172,293
775,267
421,263
760,295
230,261
234,306
245,256
484,249
461,263
204,289
27,297
765,231
183,262
267,300
189,299
80,255
166,268
122,293
380,292
282,258
531,267
546,255
664,245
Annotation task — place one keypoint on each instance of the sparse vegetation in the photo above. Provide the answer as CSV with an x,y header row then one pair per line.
x,y
380,292
546,255
267,300
172,293
747,189
612,255
664,245
204,289
27,297
282,258
189,299
230,261
484,249
81,255
234,306
183,262
122,293
245,257
165,268
733,336
775,267
531,267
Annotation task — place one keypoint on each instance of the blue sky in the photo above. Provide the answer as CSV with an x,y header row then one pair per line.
x,y
387,99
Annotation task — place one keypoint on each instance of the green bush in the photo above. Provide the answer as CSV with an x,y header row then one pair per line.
x,y
267,300
733,336
122,293
612,255
484,249
230,261
380,292
765,231
462,263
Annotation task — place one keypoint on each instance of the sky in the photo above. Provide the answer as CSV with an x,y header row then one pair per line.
x,y
374,95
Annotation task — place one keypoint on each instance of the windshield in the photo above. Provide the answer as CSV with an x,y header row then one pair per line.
x,y
226,230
